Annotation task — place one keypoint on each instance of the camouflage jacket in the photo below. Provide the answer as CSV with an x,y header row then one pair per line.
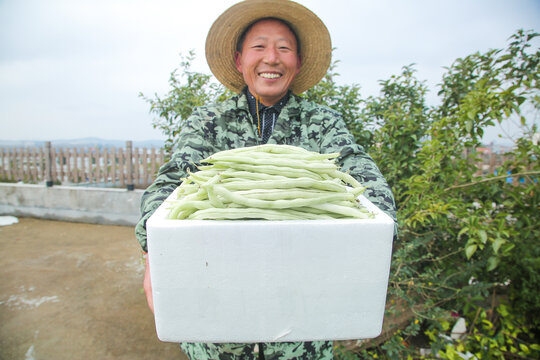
x,y
229,125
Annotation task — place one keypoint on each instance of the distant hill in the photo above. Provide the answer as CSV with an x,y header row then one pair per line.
x,y
82,143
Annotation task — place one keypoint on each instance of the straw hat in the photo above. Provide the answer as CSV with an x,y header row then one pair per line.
x,y
314,38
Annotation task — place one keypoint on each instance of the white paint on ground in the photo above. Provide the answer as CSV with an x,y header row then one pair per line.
x,y
30,354
8,220
22,301
25,301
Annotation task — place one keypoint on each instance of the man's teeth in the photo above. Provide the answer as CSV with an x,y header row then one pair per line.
x,y
269,75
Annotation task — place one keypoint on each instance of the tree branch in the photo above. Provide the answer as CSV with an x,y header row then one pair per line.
x,y
492,179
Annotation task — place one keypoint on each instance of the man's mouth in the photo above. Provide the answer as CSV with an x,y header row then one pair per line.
x,y
269,75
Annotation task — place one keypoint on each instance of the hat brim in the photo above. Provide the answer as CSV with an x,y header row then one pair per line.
x,y
222,39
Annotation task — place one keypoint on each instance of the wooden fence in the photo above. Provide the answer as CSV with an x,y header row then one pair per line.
x,y
113,167
108,167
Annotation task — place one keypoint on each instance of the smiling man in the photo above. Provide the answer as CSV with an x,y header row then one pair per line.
x,y
268,59
268,52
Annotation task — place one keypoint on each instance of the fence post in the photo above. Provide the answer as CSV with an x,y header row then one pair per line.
x,y
48,167
129,165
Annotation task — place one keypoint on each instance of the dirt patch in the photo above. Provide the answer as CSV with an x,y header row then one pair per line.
x,y
74,291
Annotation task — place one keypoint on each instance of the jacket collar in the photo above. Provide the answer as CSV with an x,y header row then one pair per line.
x,y
289,115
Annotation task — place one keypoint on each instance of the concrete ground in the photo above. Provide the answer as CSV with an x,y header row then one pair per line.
x,y
74,291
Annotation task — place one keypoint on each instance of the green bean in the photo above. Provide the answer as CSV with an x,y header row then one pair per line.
x,y
348,179
308,215
270,148
270,169
276,204
306,183
209,187
201,194
253,213
188,205
297,164
343,210
241,213
184,190
203,176
280,151
311,156
243,175
284,194
289,192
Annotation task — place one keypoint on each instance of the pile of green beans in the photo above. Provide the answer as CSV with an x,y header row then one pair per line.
x,y
270,182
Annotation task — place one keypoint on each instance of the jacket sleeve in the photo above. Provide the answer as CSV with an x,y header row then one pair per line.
x,y
192,147
354,160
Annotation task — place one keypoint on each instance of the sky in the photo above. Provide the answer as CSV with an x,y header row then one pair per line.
x,y
73,69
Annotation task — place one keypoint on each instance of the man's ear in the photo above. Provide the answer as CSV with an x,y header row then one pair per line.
x,y
298,63
238,60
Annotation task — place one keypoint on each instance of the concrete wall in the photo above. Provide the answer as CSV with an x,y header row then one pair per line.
x,y
69,203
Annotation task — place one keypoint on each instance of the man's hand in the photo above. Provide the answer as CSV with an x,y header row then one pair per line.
x,y
147,284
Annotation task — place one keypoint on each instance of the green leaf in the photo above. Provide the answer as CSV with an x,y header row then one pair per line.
x,y
487,323
508,248
462,231
470,250
468,126
493,262
483,236
497,244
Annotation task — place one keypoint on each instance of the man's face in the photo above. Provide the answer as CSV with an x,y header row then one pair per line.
x,y
269,60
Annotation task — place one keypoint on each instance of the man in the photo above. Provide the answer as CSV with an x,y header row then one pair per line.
x,y
267,51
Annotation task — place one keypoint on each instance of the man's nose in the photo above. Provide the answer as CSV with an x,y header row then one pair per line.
x,y
271,55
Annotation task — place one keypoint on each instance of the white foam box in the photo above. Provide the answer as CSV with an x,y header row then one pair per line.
x,y
269,281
